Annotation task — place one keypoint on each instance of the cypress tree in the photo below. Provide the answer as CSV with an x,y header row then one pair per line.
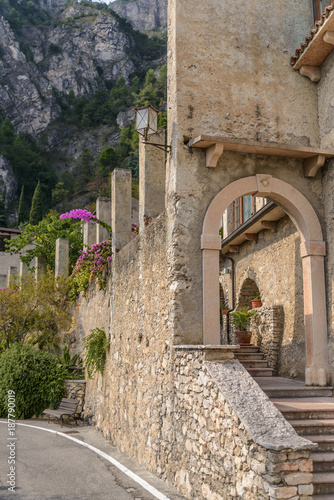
x,y
21,214
36,211
3,216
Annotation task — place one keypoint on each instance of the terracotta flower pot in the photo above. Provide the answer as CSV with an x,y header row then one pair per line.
x,y
256,303
224,311
243,337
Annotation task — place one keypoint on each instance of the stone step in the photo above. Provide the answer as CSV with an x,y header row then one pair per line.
x,y
260,372
248,355
254,363
321,497
247,348
305,408
323,483
323,462
283,388
325,442
314,427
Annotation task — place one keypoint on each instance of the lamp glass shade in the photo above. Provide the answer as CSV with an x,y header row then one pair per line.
x,y
142,120
152,121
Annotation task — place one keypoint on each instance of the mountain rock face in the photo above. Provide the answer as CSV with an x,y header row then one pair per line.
x,y
7,178
75,55
144,15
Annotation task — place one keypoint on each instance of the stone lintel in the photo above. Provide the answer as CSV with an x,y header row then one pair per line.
x,y
312,72
312,165
308,248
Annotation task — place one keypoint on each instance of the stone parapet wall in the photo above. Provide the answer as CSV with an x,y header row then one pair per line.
x,y
267,332
215,456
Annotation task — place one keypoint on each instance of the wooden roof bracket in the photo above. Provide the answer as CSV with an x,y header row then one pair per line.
x,y
312,72
213,153
312,165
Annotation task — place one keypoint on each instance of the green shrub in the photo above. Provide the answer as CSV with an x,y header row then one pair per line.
x,y
36,377
96,349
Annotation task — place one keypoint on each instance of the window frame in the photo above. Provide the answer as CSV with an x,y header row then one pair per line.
x,y
238,203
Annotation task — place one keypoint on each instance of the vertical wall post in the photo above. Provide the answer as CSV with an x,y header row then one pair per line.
x,y
103,212
89,233
40,268
121,195
62,257
12,272
152,178
24,270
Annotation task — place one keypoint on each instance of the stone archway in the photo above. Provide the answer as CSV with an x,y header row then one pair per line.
x,y
312,251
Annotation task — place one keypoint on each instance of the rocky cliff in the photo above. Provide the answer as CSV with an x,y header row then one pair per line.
x,y
144,15
50,49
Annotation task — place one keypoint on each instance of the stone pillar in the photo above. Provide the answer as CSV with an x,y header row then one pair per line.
x,y
152,178
89,233
62,257
24,270
317,365
121,195
40,267
211,245
12,272
103,212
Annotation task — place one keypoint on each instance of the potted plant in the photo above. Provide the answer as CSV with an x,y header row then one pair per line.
x,y
256,301
241,320
224,308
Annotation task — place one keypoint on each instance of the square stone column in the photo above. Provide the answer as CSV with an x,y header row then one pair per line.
x,y
121,195
24,270
152,178
40,267
103,212
62,257
89,233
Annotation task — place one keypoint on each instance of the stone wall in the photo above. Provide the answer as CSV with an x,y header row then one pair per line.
x,y
75,389
267,332
275,265
167,407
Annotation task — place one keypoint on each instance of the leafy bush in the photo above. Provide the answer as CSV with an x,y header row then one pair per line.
x,y
37,377
96,349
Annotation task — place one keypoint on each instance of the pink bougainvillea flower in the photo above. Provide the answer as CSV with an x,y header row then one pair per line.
x,y
78,213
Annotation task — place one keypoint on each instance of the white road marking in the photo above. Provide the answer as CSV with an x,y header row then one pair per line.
x,y
157,494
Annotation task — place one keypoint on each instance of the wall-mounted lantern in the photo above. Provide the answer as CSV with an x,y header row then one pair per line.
x,y
147,124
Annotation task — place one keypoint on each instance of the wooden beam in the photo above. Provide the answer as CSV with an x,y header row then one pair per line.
x,y
233,249
329,37
269,224
213,153
312,165
251,237
312,72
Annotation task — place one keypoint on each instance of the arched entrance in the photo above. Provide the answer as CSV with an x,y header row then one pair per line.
x,y
312,251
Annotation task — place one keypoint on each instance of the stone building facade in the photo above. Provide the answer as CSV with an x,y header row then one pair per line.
x,y
242,120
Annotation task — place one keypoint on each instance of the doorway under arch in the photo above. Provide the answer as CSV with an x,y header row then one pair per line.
x,y
312,252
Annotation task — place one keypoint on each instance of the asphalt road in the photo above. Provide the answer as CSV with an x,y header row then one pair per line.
x,y
50,466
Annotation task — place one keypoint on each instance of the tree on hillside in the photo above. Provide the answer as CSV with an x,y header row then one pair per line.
x,y
3,216
36,211
44,236
22,210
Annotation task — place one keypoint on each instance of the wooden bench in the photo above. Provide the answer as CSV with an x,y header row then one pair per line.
x,y
66,407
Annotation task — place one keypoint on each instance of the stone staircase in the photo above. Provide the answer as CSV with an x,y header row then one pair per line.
x,y
253,360
310,410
